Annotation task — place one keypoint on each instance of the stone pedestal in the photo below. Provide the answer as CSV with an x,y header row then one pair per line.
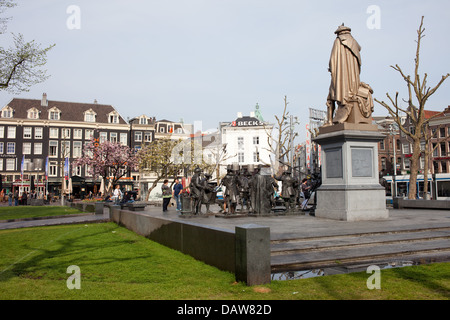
x,y
350,189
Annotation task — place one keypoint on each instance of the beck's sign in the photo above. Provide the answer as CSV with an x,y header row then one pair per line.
x,y
246,123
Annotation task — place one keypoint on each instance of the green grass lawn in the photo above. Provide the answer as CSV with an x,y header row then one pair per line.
x,y
21,212
116,263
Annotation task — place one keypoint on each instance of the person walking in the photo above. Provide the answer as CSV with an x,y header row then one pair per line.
x,y
10,198
16,198
166,194
177,193
117,195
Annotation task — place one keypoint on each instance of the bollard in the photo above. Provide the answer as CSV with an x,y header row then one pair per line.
x,y
252,254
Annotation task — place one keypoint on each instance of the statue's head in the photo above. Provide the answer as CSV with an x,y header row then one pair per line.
x,y
342,29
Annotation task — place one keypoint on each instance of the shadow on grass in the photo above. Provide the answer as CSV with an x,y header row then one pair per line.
x,y
426,276
53,257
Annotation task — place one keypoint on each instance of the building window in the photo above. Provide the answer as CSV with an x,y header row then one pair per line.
x,y
53,169
2,131
65,133
53,149
256,140
382,145
33,113
435,150
161,129
7,112
11,132
38,133
147,136
442,132
27,133
113,137
1,164
77,133
10,164
76,171
65,148
383,163
255,156
54,133
443,152
89,115
54,114
406,148
138,136
406,163
26,148
77,149
444,167
1,148
422,162
11,148
241,157
38,148
113,118
88,134
142,120
124,139
103,137
240,142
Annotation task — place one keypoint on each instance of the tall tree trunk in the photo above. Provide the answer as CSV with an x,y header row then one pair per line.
x,y
414,168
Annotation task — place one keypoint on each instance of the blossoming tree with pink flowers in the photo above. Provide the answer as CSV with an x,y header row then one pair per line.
x,y
107,159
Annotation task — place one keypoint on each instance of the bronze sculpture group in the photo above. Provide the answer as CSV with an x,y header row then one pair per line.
x,y
246,190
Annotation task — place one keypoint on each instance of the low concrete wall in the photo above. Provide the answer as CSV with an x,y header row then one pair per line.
x,y
215,247
400,203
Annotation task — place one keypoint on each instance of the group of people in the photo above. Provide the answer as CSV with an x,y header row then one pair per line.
x,y
168,194
19,199
246,186
119,197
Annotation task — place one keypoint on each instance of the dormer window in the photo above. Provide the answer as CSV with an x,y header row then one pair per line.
x,y
113,117
7,112
143,120
90,115
33,113
54,114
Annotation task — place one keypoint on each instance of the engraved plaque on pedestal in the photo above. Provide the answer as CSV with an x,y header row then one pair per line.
x,y
334,163
362,162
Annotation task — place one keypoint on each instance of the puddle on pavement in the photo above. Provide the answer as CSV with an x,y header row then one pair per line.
x,y
304,274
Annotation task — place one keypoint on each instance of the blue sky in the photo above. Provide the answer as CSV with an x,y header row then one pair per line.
x,y
206,60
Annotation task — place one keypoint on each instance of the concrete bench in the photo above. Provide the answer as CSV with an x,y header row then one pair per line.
x,y
400,203
133,206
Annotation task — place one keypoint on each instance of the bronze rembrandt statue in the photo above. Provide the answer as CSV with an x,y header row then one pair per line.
x,y
353,97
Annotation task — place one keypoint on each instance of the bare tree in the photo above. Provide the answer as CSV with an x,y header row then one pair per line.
x,y
281,141
415,111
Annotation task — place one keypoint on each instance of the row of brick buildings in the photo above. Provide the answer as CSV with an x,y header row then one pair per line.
x,y
33,129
